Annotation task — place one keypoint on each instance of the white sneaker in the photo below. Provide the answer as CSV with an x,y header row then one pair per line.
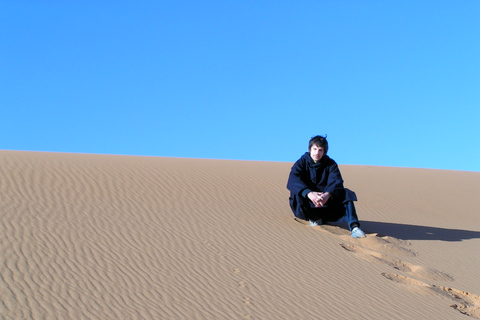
x,y
358,233
314,223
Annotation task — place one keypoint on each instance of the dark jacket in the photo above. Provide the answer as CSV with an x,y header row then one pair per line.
x,y
306,176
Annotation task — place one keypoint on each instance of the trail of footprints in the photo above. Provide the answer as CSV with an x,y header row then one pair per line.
x,y
464,302
419,271
237,273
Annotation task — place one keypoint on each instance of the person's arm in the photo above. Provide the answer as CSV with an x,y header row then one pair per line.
x,y
305,192
296,183
335,181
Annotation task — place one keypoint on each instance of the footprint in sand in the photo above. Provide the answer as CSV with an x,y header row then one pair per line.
x,y
373,241
388,244
466,303
419,271
236,272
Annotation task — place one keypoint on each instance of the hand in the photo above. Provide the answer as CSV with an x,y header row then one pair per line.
x,y
318,198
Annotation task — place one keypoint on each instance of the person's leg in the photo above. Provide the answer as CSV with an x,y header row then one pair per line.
x,y
351,215
298,209
352,220
302,210
326,214
314,216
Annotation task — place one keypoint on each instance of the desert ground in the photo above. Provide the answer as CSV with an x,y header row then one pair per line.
x,y
86,236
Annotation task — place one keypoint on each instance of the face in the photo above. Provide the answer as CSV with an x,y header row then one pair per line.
x,y
316,153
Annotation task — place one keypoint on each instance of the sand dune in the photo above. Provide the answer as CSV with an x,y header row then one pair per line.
x,y
122,237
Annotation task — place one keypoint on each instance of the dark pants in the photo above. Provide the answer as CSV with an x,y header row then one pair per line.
x,y
306,210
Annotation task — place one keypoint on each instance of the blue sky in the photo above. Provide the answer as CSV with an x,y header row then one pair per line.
x,y
392,83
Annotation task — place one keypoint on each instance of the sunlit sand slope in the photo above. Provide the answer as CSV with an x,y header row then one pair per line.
x,y
122,237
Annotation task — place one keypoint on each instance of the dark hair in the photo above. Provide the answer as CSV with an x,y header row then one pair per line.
x,y
319,141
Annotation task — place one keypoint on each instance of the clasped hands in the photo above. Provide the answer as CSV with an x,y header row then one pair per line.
x,y
318,198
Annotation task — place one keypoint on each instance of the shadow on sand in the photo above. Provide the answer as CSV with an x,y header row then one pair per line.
x,y
413,232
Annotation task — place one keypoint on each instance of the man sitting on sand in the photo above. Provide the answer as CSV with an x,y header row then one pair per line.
x,y
316,189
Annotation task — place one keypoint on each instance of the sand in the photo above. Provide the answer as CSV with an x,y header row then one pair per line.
x,y
124,237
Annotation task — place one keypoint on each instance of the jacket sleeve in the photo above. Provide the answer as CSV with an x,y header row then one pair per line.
x,y
335,182
296,183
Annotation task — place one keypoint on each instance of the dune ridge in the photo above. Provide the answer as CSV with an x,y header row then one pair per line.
x,y
126,237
